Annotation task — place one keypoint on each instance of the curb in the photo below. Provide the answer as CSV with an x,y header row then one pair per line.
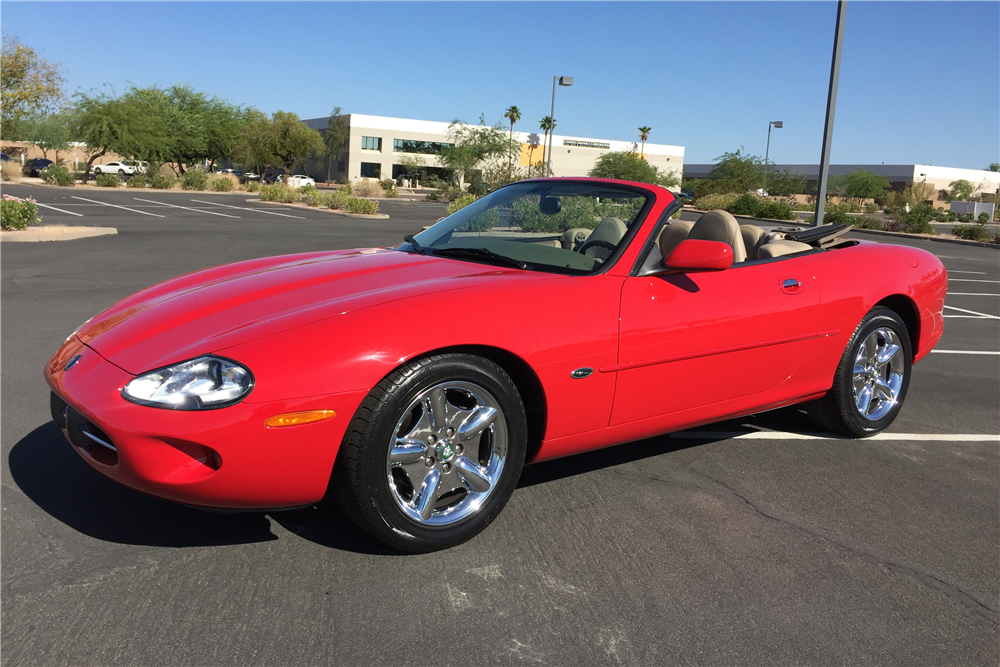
x,y
345,214
54,233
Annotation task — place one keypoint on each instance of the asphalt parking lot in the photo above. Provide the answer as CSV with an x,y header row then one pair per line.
x,y
750,542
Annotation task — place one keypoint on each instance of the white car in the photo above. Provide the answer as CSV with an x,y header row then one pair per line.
x,y
300,181
123,168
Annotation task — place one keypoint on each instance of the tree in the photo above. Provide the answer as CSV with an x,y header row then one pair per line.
x,y
737,172
836,186
630,166
548,124
863,185
475,146
961,190
276,142
994,166
643,135
49,132
28,85
785,184
334,139
514,114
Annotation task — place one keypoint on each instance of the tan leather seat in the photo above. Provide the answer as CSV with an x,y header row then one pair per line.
x,y
720,226
753,238
780,248
673,234
610,230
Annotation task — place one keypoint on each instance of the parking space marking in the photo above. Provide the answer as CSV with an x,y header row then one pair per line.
x,y
972,280
79,215
785,435
963,352
972,294
978,273
134,210
187,208
972,312
244,208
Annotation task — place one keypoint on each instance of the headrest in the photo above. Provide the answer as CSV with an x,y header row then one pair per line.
x,y
720,226
673,234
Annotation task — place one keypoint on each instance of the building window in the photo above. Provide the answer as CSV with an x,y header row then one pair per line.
x,y
371,170
341,167
410,146
371,143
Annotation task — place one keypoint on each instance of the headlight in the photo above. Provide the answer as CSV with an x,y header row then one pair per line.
x,y
200,384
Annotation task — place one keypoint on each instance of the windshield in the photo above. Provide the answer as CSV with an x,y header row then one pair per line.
x,y
563,226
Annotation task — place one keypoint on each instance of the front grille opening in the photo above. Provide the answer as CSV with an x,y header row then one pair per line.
x,y
96,444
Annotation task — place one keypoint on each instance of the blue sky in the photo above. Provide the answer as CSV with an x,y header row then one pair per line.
x,y
919,82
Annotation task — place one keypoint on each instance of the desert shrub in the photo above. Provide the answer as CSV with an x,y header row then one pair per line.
x,y
251,186
460,203
346,189
852,207
583,212
965,217
309,190
983,218
973,233
366,206
745,204
56,174
311,198
833,215
482,222
335,200
887,210
10,171
161,181
107,181
278,193
17,213
776,210
367,189
223,182
137,181
448,192
871,208
194,179
389,186
918,219
715,202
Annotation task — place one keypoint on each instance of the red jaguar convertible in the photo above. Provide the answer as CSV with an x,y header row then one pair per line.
x,y
548,318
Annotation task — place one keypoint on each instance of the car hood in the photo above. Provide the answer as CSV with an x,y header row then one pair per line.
x,y
233,304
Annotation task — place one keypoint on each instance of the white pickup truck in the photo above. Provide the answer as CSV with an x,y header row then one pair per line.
x,y
123,168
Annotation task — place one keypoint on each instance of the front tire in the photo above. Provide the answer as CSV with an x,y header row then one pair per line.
x,y
871,379
433,453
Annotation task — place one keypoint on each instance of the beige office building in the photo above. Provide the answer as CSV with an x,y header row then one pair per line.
x,y
376,143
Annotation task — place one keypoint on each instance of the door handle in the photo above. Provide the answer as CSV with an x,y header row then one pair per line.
x,y
791,283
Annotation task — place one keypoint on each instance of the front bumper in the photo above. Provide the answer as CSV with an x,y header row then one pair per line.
x,y
224,458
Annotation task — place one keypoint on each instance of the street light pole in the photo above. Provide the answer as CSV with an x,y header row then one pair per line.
x,y
831,108
778,124
562,81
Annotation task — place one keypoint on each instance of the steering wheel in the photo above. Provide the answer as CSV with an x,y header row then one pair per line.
x,y
607,245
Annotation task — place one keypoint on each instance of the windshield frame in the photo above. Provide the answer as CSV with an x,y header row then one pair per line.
x,y
650,195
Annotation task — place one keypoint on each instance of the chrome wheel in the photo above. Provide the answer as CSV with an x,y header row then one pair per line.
x,y
448,451
878,374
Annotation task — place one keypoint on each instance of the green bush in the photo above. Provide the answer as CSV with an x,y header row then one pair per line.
x,y
965,217
278,193
161,181
107,181
983,218
309,190
194,179
56,174
335,200
582,212
918,219
17,213
223,184
251,186
715,202
449,192
745,204
460,203
973,233
833,215
776,210
137,181
366,206
311,199
389,186
346,189
482,222
887,210
871,208
852,207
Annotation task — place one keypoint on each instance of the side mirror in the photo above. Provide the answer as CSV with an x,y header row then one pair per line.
x,y
699,255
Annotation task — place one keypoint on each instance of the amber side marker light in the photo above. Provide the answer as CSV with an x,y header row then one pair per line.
x,y
296,418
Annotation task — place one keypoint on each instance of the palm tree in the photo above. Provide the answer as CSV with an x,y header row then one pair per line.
x,y
643,135
514,114
548,124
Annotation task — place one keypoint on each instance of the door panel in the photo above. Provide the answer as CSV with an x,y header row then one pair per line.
x,y
698,339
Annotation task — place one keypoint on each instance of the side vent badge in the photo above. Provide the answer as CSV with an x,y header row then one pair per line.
x,y
581,373
72,362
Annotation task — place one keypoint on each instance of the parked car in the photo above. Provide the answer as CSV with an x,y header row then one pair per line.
x,y
300,181
687,194
123,168
34,166
551,317
4,157
249,176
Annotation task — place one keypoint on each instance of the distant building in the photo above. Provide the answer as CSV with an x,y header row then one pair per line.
x,y
900,175
375,145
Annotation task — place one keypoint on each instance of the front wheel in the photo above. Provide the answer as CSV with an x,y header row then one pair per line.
x,y
433,453
871,380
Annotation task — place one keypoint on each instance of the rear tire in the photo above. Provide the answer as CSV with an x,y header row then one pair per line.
x,y
871,379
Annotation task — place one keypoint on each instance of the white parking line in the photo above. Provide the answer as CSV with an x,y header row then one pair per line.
x,y
784,435
134,210
967,317
964,352
973,312
244,208
972,280
972,294
186,208
80,215
978,273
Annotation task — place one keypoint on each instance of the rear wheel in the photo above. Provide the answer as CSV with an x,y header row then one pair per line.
x,y
871,379
433,453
